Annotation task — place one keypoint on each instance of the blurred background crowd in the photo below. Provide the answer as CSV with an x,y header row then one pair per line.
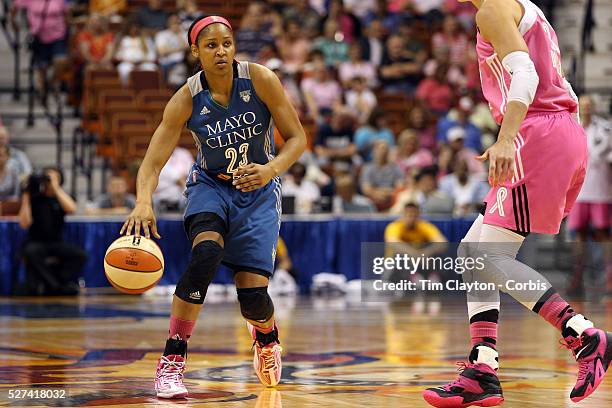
x,y
388,92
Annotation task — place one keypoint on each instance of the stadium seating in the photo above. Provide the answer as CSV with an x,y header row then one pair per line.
x,y
145,80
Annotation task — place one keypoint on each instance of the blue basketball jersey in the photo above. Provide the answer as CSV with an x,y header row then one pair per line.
x,y
228,137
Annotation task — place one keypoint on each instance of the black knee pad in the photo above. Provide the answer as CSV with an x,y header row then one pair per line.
x,y
255,304
205,259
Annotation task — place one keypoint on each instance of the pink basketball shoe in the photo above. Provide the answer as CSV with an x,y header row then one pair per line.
x,y
593,352
267,356
169,377
477,384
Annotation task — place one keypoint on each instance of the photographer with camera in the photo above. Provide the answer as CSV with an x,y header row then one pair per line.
x,y
52,265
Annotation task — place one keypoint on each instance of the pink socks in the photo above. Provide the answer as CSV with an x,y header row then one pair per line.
x,y
181,327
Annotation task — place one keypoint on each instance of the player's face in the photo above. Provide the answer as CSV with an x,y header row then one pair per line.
x,y
215,49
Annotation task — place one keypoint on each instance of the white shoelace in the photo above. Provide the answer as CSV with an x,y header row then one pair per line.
x,y
172,372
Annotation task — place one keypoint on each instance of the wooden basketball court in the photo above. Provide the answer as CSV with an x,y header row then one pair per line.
x,y
102,351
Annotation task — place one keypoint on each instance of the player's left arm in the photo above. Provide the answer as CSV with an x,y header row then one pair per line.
x,y
498,24
271,92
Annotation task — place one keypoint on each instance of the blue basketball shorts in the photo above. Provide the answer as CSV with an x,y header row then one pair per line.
x,y
252,219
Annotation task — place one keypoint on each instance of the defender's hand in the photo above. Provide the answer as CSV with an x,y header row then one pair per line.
x,y
253,176
501,161
141,215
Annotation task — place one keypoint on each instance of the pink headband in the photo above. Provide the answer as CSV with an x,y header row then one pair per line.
x,y
205,22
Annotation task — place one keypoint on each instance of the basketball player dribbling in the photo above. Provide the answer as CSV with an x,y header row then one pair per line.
x,y
536,169
233,192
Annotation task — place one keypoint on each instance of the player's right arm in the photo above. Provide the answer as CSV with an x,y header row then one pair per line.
x,y
163,142
498,22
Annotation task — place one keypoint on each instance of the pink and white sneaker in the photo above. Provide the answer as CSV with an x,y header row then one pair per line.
x,y
593,352
169,377
477,385
267,356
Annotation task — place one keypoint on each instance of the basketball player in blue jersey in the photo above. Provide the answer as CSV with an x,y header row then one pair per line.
x,y
233,192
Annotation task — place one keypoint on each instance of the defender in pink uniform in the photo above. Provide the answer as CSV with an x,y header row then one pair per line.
x,y
536,169
551,149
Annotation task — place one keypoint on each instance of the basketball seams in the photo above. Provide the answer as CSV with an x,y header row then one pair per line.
x,y
131,291
126,267
131,237
158,247
148,259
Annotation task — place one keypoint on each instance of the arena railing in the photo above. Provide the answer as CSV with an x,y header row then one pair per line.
x,y
14,41
83,154
13,34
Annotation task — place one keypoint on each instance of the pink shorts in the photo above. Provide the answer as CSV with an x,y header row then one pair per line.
x,y
551,158
586,214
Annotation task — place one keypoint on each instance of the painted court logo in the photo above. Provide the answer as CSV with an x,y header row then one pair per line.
x,y
245,95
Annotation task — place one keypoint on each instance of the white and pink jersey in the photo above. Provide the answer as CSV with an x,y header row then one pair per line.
x,y
541,39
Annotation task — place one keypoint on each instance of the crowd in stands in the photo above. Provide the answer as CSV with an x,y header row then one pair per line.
x,y
387,90
14,166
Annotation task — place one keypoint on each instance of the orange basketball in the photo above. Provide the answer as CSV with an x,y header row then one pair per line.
x,y
133,264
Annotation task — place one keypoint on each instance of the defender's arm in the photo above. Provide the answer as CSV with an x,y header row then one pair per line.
x,y
498,24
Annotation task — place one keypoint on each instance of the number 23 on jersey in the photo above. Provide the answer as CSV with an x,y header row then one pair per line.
x,y
232,154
